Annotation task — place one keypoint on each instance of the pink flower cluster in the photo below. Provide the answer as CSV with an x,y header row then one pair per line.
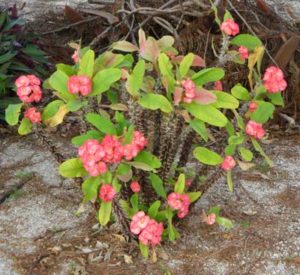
x,y
135,187
28,88
228,163
253,106
107,192
189,90
255,129
79,85
95,155
149,230
179,202
209,219
274,80
187,94
229,27
244,53
138,143
33,115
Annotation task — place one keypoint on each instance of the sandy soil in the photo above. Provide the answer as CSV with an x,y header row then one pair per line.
x,y
40,232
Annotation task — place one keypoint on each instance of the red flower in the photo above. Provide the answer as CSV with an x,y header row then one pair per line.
x,y
228,163
135,187
229,27
28,88
244,53
33,115
255,129
274,80
107,193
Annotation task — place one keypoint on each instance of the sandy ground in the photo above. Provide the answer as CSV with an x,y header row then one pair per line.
x,y
40,233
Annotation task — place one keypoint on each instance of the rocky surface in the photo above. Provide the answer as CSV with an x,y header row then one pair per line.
x,y
40,233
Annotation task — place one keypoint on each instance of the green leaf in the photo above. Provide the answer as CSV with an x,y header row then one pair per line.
x,y
91,134
104,212
258,148
224,222
126,208
276,99
194,196
123,169
229,181
207,113
155,101
240,92
25,127
164,64
103,80
135,81
144,250
148,158
240,120
75,105
58,81
72,168
216,210
58,117
230,150
51,109
180,184
90,188
153,209
6,57
199,127
134,200
229,128
108,60
124,46
86,66
141,165
157,185
129,134
165,42
236,140
12,113
263,112
246,154
67,69
207,156
101,123
208,75
226,101
186,64
227,15
246,40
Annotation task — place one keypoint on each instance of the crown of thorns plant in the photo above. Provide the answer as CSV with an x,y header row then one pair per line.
x,y
160,127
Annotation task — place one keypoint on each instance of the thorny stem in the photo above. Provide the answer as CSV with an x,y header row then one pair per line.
x,y
48,144
182,142
122,219
223,57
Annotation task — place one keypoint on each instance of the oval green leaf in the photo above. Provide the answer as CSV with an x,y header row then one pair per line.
x,y
207,156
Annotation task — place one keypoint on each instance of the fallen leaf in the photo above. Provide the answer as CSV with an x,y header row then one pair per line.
x,y
245,165
120,238
250,212
55,249
128,259
287,51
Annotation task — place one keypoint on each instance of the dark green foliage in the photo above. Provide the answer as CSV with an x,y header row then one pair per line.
x,y
19,54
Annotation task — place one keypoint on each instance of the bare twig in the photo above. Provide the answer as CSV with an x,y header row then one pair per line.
x,y
71,25
249,28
